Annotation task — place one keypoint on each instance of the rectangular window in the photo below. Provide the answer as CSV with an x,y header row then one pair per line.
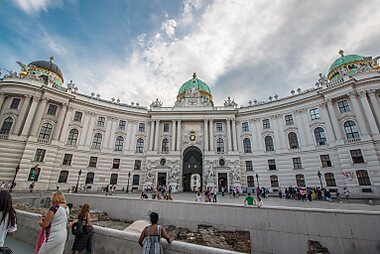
x,y
40,155
330,180
137,165
244,126
92,162
78,116
122,124
116,164
266,124
325,161
357,156
141,127
101,121
300,179
250,181
15,103
166,127
289,120
52,109
219,127
314,113
90,178
274,181
343,106
136,180
248,166
63,175
67,158
363,177
297,164
272,164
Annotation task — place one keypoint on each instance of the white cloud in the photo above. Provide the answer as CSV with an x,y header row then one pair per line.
x,y
32,7
169,27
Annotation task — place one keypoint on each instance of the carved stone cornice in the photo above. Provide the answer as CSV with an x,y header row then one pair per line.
x,y
371,92
352,94
362,94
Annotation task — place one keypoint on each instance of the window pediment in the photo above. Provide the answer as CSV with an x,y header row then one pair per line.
x,y
316,123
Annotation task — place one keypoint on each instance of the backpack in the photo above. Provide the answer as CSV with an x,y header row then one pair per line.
x,y
78,228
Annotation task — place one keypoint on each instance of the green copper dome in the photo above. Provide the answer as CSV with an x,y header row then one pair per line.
x,y
194,82
345,60
348,61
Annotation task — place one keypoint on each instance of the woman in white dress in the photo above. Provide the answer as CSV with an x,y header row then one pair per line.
x,y
7,216
55,225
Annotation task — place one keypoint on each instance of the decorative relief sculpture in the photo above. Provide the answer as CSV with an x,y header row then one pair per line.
x,y
229,102
156,104
322,81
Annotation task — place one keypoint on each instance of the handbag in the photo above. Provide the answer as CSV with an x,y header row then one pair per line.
x,y
5,250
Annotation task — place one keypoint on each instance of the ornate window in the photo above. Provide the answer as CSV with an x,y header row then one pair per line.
x,y
247,145
122,124
363,177
219,127
90,178
289,120
113,179
343,106
250,181
40,155
325,161
314,113
15,103
7,125
73,137
45,132
320,136
166,127
63,175
357,156
244,126
141,127
78,116
300,179
330,180
97,141
272,164
219,145
297,163
293,140
248,166
140,145
351,130
269,144
119,143
274,181
165,145
52,109
116,164
137,165
101,121
266,124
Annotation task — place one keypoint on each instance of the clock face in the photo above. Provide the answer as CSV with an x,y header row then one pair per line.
x,y
162,162
192,137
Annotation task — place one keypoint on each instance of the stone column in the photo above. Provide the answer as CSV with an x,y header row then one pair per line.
x,y
205,129
173,135
334,120
306,127
90,130
325,117
255,137
22,115
359,114
179,129
229,141
85,129
211,135
133,136
278,138
299,122
151,138
375,104
30,116
2,99
368,113
58,126
157,134
107,135
234,135
37,120
112,137
129,134
259,136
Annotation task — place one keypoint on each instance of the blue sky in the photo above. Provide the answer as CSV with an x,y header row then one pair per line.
x,y
143,49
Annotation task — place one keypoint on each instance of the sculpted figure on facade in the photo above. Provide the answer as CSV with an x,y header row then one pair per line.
x,y
322,81
156,104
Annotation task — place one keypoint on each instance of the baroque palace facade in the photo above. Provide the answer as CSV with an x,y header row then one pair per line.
x,y
327,135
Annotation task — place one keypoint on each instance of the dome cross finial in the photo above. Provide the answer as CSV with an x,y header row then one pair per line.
x,y
51,58
194,74
341,53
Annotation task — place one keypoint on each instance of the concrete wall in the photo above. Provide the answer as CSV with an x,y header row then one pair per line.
x,y
272,229
106,240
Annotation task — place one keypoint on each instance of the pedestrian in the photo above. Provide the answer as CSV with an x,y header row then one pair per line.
x,y
338,196
222,189
8,216
2,187
151,236
249,200
107,189
31,187
198,198
55,224
215,194
346,194
259,202
280,193
82,240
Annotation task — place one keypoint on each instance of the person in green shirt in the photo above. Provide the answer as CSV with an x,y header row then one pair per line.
x,y
248,200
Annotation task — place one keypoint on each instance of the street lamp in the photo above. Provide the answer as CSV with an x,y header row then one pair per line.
x,y
76,187
14,178
320,179
129,176
257,179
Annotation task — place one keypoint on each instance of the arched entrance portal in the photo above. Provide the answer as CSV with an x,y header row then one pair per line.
x,y
192,169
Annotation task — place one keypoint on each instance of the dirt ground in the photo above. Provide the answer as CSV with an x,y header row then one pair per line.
x,y
205,235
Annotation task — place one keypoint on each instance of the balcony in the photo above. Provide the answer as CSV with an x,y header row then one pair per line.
x,y
4,136
352,140
41,140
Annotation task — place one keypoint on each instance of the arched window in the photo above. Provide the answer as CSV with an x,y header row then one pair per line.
x,y
90,178
300,179
219,145
73,137
63,175
165,145
269,145
293,140
247,145
7,125
119,143
140,145
330,180
363,177
351,130
320,136
113,179
274,181
45,131
97,141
